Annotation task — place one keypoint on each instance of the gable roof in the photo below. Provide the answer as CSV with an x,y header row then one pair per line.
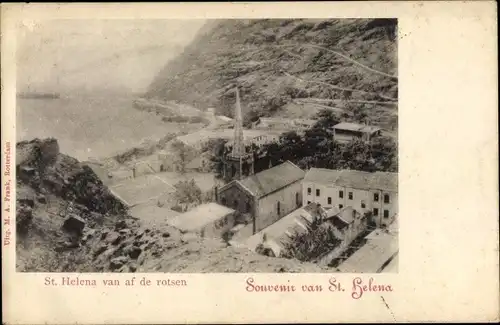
x,y
270,180
354,178
372,256
280,231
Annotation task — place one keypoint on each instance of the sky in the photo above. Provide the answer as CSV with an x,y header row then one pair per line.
x,y
98,55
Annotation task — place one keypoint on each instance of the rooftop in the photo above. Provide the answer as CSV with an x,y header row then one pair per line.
x,y
354,178
279,231
199,216
373,256
346,215
356,127
272,179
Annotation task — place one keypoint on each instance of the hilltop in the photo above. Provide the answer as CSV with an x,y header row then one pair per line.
x,y
67,220
289,68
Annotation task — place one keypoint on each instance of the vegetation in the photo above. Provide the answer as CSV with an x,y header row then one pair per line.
x,y
187,193
182,153
318,240
317,148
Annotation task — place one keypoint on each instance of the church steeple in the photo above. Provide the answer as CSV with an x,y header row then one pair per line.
x,y
238,145
238,163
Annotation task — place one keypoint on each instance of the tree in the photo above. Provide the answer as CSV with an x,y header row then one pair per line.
x,y
187,192
318,240
327,118
217,148
182,152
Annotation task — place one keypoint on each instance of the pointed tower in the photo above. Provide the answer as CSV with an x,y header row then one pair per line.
x,y
238,163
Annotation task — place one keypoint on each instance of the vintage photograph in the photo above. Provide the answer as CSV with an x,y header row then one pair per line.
x,y
207,146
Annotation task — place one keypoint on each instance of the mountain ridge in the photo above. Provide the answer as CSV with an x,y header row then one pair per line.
x,y
352,62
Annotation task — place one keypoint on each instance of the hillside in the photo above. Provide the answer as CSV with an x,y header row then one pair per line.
x,y
288,68
67,220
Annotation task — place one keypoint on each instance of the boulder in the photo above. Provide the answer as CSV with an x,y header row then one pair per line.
x,y
120,225
134,252
104,233
132,267
41,198
118,262
24,216
74,223
141,259
113,238
100,249
124,231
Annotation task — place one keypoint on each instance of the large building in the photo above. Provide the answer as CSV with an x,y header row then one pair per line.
x,y
265,197
363,191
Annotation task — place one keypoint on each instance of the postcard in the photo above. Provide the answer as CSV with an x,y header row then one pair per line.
x,y
249,162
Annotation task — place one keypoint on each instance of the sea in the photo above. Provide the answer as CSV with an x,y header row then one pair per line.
x,y
90,126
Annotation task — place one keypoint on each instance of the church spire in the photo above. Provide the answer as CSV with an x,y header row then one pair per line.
x,y
238,146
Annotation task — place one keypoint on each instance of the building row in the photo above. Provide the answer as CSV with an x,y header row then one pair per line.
x,y
270,206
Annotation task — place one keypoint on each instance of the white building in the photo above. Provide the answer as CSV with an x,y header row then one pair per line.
x,y
198,139
206,220
283,124
363,191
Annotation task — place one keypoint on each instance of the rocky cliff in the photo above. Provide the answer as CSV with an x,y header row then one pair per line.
x,y
68,221
280,64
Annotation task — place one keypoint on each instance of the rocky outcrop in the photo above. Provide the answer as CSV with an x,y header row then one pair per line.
x,y
43,168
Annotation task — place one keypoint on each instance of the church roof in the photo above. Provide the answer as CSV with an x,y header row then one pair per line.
x,y
271,180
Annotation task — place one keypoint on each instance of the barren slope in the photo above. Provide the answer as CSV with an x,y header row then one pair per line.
x,y
340,62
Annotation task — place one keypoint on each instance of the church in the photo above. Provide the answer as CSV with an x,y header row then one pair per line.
x,y
265,197
260,198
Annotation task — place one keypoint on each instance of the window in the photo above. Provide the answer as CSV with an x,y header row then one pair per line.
x,y
248,206
308,190
308,202
341,194
317,192
223,201
350,195
375,197
363,205
329,200
375,212
340,206
297,199
278,208
235,204
386,214
386,198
